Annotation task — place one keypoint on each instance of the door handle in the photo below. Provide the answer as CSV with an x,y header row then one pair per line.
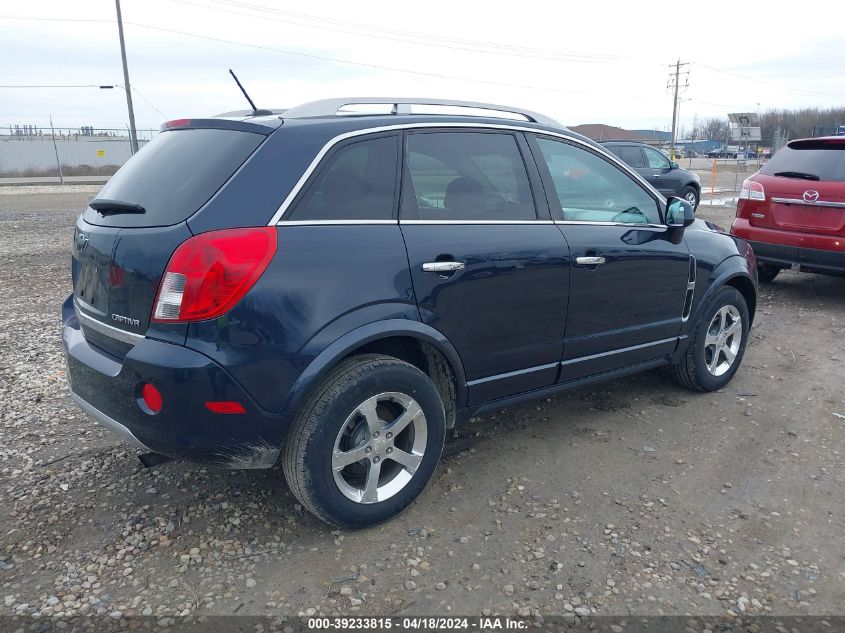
x,y
442,267
590,261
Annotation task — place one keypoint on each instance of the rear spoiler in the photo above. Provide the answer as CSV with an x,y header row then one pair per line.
x,y
263,125
818,143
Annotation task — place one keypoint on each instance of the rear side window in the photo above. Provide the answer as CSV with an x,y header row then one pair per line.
x,y
466,176
174,175
629,154
358,182
809,160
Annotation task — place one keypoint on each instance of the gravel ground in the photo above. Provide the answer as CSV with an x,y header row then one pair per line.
x,y
633,497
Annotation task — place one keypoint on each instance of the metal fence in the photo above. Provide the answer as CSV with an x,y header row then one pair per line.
x,y
82,151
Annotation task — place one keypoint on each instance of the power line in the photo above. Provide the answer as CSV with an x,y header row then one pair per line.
x,y
351,63
326,58
406,37
54,86
769,83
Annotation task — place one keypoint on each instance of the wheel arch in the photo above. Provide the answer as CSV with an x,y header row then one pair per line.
x,y
733,272
746,288
411,341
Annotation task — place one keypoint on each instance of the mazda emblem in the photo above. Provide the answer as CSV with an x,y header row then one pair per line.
x,y
811,195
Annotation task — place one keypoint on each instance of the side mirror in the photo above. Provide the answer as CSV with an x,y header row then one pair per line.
x,y
679,213
674,165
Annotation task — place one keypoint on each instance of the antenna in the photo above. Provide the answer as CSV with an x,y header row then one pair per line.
x,y
252,105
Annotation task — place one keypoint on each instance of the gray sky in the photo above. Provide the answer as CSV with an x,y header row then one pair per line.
x,y
594,62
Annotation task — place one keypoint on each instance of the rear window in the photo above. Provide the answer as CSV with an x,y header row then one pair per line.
x,y
630,155
174,175
825,160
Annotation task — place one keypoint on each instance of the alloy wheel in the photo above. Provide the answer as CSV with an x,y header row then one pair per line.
x,y
723,340
379,447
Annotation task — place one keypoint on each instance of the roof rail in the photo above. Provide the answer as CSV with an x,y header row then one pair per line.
x,y
393,105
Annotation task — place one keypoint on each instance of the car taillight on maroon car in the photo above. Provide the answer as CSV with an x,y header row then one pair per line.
x,y
752,190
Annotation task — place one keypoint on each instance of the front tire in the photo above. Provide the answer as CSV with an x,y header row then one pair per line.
x,y
766,273
365,444
691,195
717,344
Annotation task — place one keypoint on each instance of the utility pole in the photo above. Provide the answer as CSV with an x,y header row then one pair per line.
x,y
674,84
133,134
56,150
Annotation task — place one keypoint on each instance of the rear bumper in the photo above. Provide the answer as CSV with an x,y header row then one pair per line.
x,y
814,253
108,389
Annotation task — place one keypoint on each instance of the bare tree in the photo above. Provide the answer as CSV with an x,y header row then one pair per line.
x,y
801,123
714,129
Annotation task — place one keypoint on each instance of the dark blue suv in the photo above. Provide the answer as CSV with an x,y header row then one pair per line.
x,y
333,286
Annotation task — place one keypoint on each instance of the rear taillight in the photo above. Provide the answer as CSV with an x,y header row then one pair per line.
x,y
752,190
209,273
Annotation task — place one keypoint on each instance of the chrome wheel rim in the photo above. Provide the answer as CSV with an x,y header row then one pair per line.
x,y
379,447
691,198
724,337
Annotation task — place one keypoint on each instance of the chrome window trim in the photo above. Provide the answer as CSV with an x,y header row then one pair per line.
x,y
294,192
817,203
106,329
660,227
447,222
654,227
333,222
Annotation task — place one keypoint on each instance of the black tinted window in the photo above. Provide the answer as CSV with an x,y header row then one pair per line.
x,y
811,158
629,154
174,175
466,176
356,183
591,189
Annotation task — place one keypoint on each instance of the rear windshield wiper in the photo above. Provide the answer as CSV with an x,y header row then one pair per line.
x,y
796,174
107,207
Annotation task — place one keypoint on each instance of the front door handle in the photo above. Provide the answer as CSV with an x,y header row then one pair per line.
x,y
442,267
590,261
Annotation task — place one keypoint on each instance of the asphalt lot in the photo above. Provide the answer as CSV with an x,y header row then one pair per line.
x,y
632,497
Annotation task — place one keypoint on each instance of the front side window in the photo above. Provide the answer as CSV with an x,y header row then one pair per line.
x,y
356,183
590,189
466,176
655,159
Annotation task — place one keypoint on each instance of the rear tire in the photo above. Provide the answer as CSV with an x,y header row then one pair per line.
x,y
386,413
766,273
717,343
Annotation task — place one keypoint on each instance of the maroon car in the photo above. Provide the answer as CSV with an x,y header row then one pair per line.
x,y
792,211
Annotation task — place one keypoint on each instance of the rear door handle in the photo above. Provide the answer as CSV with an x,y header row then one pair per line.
x,y
442,267
590,261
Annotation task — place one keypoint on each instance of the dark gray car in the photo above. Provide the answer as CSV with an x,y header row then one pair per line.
x,y
664,175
